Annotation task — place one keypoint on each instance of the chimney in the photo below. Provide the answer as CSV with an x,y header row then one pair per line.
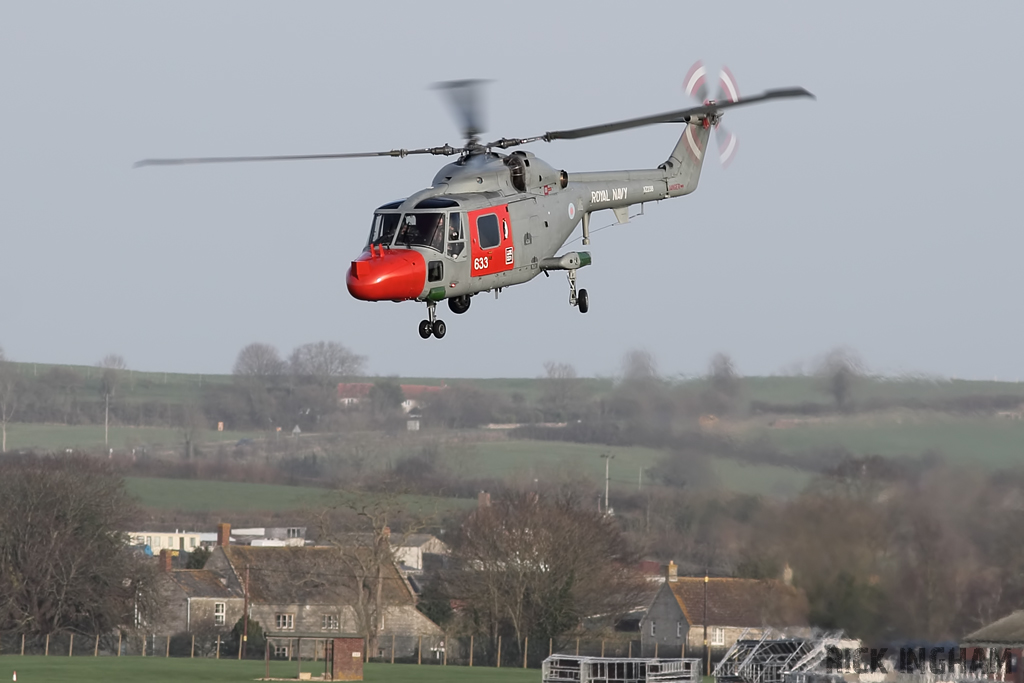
x,y
787,575
165,560
483,500
672,572
223,534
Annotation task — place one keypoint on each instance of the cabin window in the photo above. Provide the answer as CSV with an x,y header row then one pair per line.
x,y
384,227
488,231
421,229
456,236
435,271
219,613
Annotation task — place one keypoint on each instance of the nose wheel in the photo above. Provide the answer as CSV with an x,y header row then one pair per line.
x,y
432,326
578,298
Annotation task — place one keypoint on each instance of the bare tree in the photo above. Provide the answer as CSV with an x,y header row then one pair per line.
x,y
534,566
562,389
113,361
191,424
9,394
723,385
65,565
368,552
325,362
259,360
639,365
838,372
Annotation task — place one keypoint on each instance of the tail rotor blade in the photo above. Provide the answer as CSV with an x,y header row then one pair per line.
x,y
695,83
465,99
727,90
727,143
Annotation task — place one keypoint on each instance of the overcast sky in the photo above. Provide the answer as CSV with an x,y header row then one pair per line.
x,y
885,216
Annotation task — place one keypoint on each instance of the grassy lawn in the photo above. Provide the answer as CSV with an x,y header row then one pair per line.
x,y
535,459
55,437
173,670
195,495
989,442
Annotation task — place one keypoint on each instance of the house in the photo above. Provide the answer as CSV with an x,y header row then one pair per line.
x,y
674,623
158,540
418,552
197,601
309,589
995,646
413,395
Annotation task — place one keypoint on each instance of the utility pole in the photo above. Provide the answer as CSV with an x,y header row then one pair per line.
x,y
640,480
245,612
106,419
607,462
707,650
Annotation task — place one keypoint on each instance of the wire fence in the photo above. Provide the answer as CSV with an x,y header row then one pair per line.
x,y
393,648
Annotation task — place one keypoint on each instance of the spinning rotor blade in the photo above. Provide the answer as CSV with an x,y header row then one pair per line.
x,y
464,98
446,150
727,144
680,116
727,90
695,83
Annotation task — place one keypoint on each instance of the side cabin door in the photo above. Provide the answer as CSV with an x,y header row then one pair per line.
x,y
492,249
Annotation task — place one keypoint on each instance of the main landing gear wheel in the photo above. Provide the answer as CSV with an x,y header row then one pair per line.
x,y
583,301
459,304
432,326
426,329
439,329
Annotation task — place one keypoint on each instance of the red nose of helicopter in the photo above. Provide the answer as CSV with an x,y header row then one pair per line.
x,y
387,274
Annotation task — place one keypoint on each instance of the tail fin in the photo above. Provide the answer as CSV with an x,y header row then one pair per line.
x,y
684,165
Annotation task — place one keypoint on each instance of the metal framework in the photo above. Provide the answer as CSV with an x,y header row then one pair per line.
x,y
570,669
773,656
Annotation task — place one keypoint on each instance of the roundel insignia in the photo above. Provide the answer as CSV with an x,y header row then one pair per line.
x,y
572,211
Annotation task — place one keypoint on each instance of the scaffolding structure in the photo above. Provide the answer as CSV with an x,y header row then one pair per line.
x,y
774,655
570,669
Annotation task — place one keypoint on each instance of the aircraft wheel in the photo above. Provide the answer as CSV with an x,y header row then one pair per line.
x,y
459,304
583,301
426,329
439,328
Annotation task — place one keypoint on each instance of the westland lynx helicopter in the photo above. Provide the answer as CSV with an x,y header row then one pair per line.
x,y
491,220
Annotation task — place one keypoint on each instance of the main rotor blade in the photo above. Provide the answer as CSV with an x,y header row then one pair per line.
x,y
446,150
680,116
464,97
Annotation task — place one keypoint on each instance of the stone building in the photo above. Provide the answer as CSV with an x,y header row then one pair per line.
x,y
674,622
196,601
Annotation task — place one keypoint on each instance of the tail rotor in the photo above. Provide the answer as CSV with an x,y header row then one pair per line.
x,y
695,86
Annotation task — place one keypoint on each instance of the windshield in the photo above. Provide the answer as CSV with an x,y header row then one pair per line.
x,y
384,227
421,229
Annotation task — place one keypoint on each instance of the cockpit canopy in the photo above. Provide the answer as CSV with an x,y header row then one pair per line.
x,y
426,226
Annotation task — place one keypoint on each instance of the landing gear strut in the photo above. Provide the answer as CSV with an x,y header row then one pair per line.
x,y
432,326
579,299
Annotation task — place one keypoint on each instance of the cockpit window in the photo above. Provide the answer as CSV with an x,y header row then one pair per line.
x,y
421,229
456,237
385,225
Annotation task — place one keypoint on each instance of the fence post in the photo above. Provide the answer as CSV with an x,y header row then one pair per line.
x,y
577,647
526,648
46,652
22,644
218,647
167,651
499,652
655,649
392,648
96,648
551,646
682,650
630,648
144,639
602,647
192,652
444,660
71,645
419,650
470,648
119,634
239,649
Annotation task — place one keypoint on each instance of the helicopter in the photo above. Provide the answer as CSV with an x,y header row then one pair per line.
x,y
491,220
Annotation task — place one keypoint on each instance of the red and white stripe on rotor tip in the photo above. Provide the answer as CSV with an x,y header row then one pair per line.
x,y
695,85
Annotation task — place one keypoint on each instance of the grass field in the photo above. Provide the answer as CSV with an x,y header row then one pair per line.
x,y
193,495
53,437
173,670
